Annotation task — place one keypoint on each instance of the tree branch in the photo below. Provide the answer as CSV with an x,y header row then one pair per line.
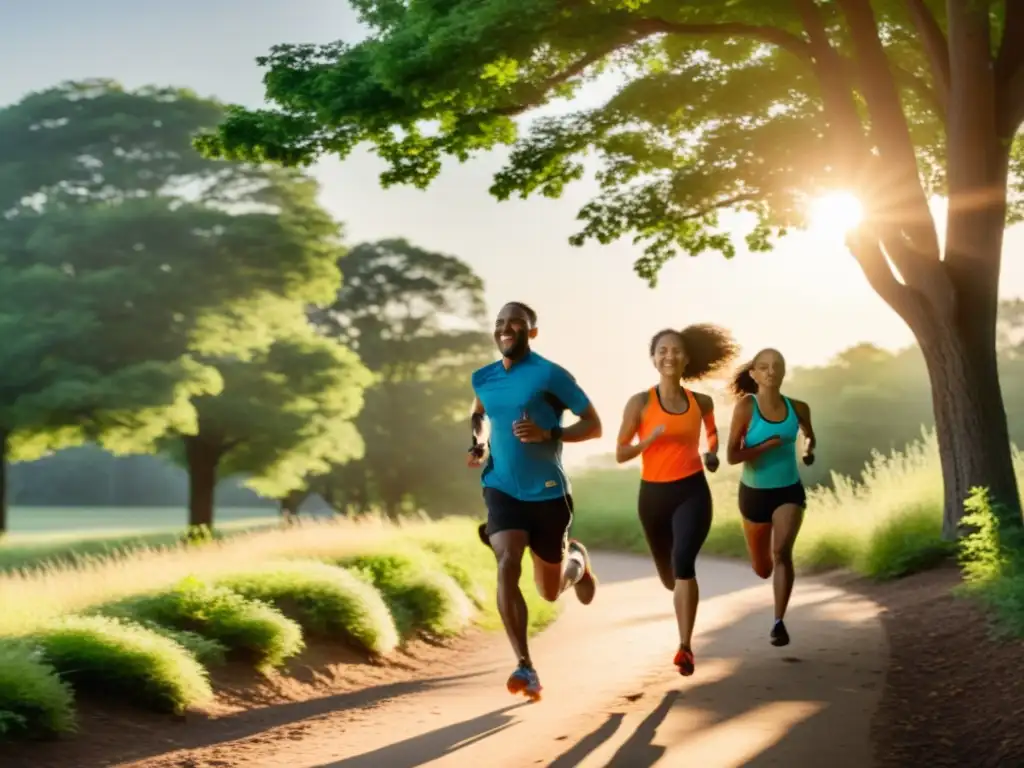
x,y
770,35
1009,71
935,46
889,127
834,77
867,251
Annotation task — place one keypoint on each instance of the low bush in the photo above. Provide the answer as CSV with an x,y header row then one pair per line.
x,y
247,628
326,600
34,702
118,659
421,595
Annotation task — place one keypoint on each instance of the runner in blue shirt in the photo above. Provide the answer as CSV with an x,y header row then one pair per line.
x,y
525,488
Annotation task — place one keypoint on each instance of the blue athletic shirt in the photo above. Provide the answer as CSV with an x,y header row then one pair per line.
x,y
544,390
776,467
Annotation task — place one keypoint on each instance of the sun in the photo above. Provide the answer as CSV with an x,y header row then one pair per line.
x,y
836,212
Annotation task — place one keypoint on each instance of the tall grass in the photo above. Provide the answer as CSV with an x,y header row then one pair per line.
x,y
884,524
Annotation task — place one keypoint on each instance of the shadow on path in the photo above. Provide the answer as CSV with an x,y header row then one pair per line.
x,y
434,745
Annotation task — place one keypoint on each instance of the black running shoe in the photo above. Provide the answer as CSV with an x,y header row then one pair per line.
x,y
780,636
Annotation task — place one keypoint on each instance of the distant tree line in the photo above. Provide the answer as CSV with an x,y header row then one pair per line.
x,y
168,316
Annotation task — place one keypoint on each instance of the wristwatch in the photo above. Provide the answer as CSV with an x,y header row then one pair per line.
x,y
556,432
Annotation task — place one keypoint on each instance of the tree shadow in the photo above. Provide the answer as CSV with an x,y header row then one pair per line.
x,y
807,704
575,755
433,745
143,735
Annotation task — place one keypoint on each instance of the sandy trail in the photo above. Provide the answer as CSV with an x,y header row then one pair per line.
x,y
611,696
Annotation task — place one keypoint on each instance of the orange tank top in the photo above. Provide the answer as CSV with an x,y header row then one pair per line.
x,y
676,454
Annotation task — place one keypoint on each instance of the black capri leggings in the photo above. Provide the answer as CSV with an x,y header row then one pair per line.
x,y
676,518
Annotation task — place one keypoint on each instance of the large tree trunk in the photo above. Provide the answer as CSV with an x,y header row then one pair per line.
x,y
203,458
970,422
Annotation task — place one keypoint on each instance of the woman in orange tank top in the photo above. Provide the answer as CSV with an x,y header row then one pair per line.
x,y
675,500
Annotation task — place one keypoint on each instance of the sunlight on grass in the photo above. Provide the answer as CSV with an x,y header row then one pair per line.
x,y
886,524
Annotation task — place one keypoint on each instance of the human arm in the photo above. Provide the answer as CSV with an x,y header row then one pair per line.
x,y
478,448
707,414
563,386
803,415
736,451
625,448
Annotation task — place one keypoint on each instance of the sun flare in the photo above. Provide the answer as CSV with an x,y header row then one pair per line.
x,y
836,212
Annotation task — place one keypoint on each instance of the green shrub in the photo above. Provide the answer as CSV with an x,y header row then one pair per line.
x,y
208,652
116,658
253,630
420,594
34,702
326,600
906,543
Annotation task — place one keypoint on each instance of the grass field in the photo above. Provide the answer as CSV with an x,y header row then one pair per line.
x,y
885,525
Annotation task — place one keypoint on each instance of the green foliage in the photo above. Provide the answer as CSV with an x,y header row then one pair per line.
x,y
327,601
110,657
421,595
251,629
992,558
719,105
208,652
138,260
906,544
286,412
415,318
34,702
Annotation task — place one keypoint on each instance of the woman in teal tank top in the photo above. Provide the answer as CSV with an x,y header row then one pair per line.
x,y
763,438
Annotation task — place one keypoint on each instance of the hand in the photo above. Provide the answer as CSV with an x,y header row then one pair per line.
x,y
528,432
711,461
809,458
475,456
772,442
657,432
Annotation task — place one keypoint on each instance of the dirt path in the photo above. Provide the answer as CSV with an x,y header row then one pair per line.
x,y
611,695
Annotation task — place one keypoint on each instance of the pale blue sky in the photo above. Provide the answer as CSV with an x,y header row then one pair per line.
x,y
808,297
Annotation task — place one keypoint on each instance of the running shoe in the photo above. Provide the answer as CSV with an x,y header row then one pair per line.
x,y
780,636
684,661
525,681
586,587
482,533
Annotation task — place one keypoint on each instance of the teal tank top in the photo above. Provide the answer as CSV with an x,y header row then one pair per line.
x,y
775,468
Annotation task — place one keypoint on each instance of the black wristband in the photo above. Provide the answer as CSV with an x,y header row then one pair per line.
x,y
556,432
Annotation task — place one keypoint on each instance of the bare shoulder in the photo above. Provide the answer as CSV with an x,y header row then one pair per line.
x,y
744,408
705,402
803,410
637,402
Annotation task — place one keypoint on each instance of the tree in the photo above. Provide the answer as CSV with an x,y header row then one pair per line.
x,y
144,260
415,318
285,413
752,104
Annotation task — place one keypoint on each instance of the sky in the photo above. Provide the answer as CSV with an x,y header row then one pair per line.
x,y
807,297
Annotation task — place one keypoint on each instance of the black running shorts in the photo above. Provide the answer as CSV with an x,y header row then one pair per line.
x,y
546,522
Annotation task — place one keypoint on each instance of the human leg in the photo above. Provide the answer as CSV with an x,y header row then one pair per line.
x,y
558,562
756,510
691,523
785,528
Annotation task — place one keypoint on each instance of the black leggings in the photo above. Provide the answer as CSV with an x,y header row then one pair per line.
x,y
676,518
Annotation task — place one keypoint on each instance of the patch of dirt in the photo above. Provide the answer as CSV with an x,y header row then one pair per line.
x,y
955,692
325,677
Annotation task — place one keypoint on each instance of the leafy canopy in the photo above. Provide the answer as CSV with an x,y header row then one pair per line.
x,y
752,105
415,317
285,412
127,258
